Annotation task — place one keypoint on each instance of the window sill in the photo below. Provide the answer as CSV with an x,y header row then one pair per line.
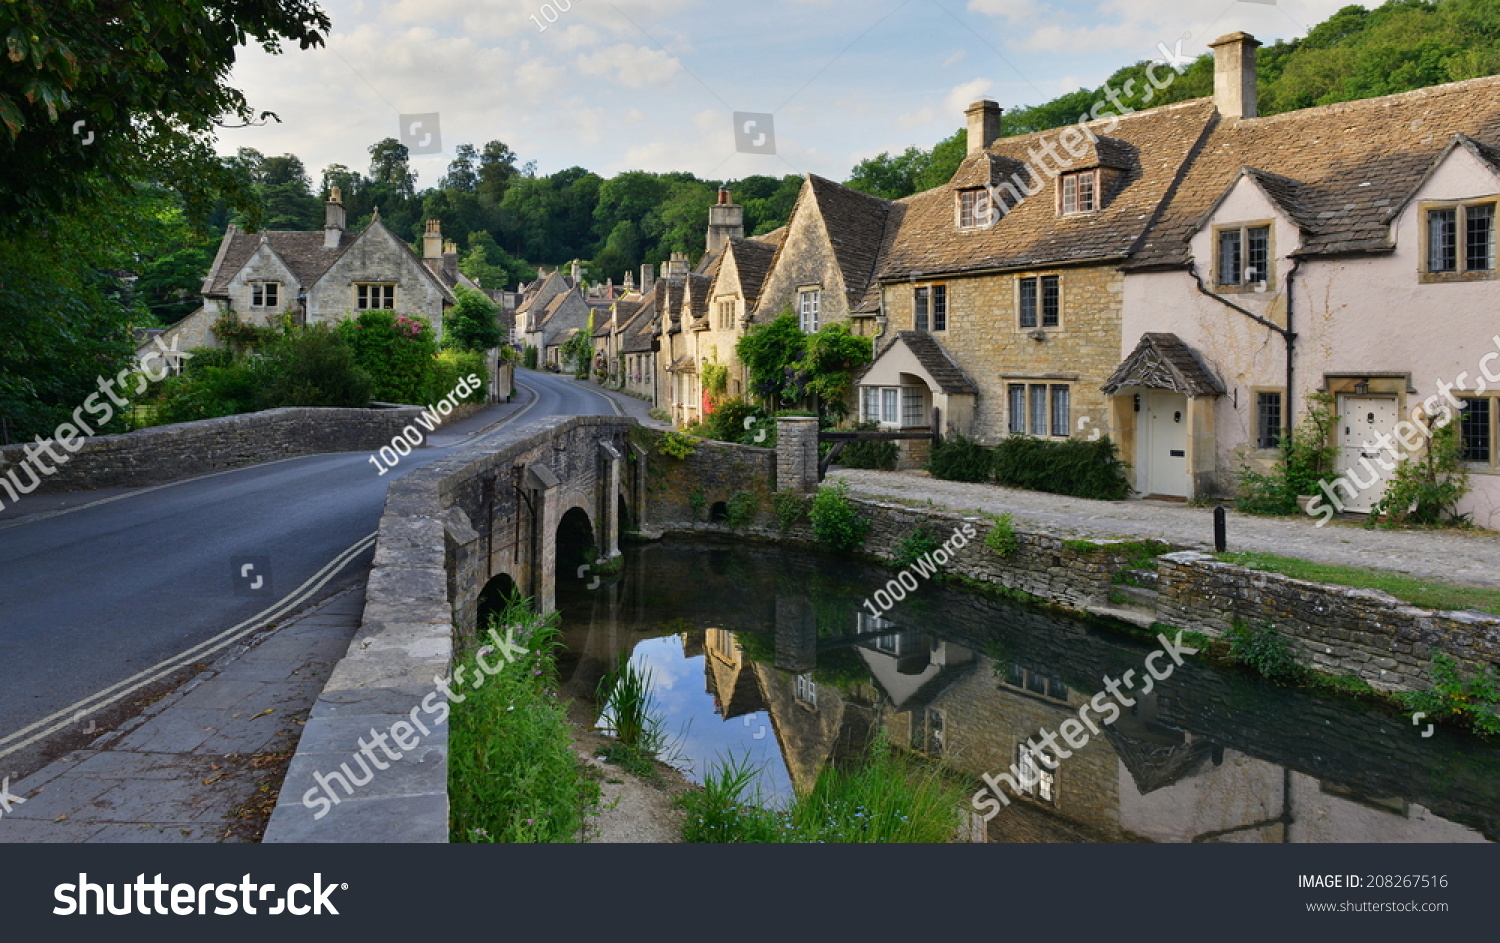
x,y
1453,278
1252,289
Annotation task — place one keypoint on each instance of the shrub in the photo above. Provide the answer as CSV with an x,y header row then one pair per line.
x,y
396,351
1427,489
914,546
791,509
1075,467
1471,702
312,366
452,366
727,422
1002,536
879,455
961,459
529,357
471,323
1265,651
836,520
740,509
676,445
1305,460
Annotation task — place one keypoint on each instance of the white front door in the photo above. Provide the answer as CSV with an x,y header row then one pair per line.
x,y
1362,419
1161,443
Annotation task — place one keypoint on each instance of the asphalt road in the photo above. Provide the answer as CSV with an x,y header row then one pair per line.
x,y
95,599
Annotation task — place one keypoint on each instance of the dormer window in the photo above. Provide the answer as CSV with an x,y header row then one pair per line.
x,y
1244,257
974,209
1079,192
1460,238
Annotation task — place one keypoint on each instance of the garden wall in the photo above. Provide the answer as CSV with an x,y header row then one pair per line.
x,y
164,453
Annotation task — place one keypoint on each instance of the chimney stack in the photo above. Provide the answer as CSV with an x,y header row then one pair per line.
x,y
726,220
629,282
1235,94
676,267
984,125
432,243
333,226
577,272
648,277
450,259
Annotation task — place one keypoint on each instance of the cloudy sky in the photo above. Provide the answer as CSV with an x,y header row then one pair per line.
x,y
616,85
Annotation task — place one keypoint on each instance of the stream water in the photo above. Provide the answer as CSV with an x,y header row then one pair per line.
x,y
771,653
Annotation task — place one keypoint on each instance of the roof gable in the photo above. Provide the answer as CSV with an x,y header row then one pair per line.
x,y
1164,362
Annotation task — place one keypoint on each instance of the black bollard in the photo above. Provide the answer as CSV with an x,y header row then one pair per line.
x,y
1221,522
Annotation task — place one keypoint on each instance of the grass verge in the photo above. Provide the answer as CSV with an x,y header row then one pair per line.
x,y
886,798
512,772
1429,594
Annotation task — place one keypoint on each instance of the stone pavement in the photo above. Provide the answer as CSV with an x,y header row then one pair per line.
x,y
1468,557
203,763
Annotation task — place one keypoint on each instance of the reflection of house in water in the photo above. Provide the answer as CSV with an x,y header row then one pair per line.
x,y
1139,780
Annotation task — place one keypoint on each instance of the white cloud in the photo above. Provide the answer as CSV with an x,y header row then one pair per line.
x,y
631,66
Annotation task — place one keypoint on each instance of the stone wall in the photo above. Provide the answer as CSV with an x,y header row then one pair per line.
x,y
1337,629
985,338
680,494
164,453
447,529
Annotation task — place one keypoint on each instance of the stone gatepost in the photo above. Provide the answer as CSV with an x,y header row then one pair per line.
x,y
609,516
797,454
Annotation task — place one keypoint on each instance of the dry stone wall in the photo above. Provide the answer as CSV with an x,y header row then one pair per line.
x,y
163,453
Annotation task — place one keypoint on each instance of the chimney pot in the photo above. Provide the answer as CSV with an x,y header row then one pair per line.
x,y
1235,93
984,124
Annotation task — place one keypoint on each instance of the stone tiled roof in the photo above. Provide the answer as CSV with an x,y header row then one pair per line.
x,y
945,372
773,238
856,228
1156,143
302,252
1356,165
535,290
752,261
697,289
640,332
869,304
683,364
1164,362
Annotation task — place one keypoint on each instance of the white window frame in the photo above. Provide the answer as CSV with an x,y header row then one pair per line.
x,y
972,210
1071,190
1042,785
805,689
809,301
887,405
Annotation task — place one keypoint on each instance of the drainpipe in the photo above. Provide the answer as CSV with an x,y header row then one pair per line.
x,y
1287,334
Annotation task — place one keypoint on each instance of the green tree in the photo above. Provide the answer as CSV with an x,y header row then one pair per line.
x,y
97,95
768,352
471,322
